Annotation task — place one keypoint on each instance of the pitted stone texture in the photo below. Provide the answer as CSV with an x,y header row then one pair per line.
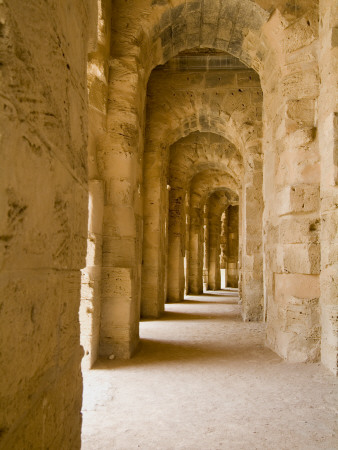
x,y
43,220
328,139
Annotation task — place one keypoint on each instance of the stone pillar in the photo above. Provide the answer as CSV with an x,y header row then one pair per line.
x,y
240,245
205,248
176,245
196,251
43,220
120,165
291,194
216,207
252,249
328,142
90,305
224,249
233,246
155,220
97,85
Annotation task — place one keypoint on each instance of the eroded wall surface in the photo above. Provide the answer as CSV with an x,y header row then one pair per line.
x,y
291,187
43,222
97,82
328,142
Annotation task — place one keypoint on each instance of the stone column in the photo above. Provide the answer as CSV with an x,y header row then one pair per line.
x,y
155,221
120,165
90,305
176,245
196,251
328,142
224,249
232,232
216,207
291,195
252,250
205,247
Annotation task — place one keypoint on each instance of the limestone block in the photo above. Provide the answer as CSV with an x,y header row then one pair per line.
x,y
294,230
296,285
302,111
329,345
303,83
298,198
329,284
119,220
302,317
301,258
117,252
329,254
302,33
116,283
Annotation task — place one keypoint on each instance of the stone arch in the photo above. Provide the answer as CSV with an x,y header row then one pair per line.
x,y
273,50
202,186
156,202
177,230
235,116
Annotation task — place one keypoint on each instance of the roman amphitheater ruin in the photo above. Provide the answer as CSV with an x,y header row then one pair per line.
x,y
169,173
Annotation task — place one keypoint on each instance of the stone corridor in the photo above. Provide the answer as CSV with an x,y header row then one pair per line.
x,y
201,377
151,149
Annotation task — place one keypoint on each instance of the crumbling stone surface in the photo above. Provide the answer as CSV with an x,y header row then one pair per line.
x,y
44,202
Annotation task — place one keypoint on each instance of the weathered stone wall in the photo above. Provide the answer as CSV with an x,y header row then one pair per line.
x,y
97,80
328,143
291,187
44,199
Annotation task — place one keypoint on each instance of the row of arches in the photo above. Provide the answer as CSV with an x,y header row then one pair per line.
x,y
222,95
105,108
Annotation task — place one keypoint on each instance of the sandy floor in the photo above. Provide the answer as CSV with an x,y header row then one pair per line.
x,y
204,380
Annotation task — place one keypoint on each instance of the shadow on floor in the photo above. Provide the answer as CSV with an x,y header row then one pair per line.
x,y
171,315
156,352
230,301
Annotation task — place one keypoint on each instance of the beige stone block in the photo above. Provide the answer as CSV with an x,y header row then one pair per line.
x,y
303,111
119,220
302,317
298,198
296,230
118,252
329,284
117,282
301,258
296,285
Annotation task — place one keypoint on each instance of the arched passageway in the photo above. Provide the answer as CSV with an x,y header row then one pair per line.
x,y
160,113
